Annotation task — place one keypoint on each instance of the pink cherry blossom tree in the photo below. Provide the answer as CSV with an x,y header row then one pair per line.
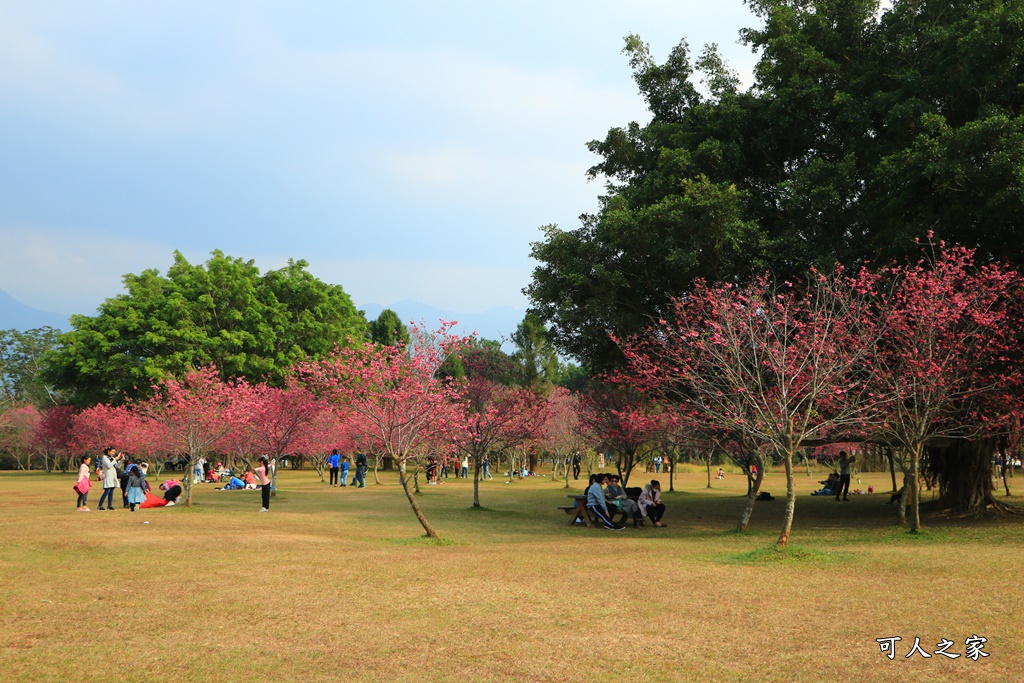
x,y
396,390
948,367
195,412
777,363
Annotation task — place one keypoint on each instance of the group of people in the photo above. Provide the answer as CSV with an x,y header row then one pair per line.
x,y
339,466
437,468
838,484
114,471
606,490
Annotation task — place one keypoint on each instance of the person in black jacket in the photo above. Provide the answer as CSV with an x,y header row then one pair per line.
x,y
361,467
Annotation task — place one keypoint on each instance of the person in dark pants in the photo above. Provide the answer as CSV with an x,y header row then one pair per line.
x,y
650,503
577,459
844,475
334,464
597,504
263,476
361,466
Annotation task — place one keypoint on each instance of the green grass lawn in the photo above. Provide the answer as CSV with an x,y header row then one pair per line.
x,y
337,584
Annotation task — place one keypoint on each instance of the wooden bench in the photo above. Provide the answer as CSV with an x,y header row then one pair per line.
x,y
579,512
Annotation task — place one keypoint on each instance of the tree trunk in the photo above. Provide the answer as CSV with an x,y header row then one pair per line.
x,y
476,482
566,474
790,501
892,468
915,490
412,503
707,461
752,491
376,466
903,500
964,472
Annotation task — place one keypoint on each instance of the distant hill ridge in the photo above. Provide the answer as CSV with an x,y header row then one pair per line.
x,y
18,316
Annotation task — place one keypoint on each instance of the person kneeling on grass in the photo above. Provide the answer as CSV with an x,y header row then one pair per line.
x,y
171,489
650,503
596,504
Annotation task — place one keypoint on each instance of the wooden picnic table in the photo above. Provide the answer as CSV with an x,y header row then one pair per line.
x,y
579,511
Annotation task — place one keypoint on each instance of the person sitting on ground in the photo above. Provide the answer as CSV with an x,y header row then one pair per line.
x,y
596,503
250,480
234,484
831,484
897,495
650,503
616,495
721,474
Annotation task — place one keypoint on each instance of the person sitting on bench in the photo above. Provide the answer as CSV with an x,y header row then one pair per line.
x,y
596,504
650,503
616,495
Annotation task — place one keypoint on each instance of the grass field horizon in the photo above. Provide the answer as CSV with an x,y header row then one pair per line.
x,y
338,584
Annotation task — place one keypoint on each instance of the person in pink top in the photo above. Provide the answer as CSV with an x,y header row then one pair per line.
x,y
171,489
83,484
263,475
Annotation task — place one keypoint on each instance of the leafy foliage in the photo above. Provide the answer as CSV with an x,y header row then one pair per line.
x,y
223,313
863,129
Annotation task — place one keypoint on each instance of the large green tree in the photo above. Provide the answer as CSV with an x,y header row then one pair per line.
x,y
388,329
863,129
223,312
21,367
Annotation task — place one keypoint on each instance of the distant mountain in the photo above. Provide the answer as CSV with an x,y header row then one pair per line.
x,y
496,323
17,316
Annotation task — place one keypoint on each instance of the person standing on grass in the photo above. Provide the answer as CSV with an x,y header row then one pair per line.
x,y
650,503
334,463
263,475
844,475
465,467
136,480
577,459
361,465
82,485
596,503
486,465
344,471
108,463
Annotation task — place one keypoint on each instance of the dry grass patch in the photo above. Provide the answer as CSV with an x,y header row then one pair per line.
x,y
337,584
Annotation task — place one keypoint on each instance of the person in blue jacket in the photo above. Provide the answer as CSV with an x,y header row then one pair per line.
x,y
345,465
333,461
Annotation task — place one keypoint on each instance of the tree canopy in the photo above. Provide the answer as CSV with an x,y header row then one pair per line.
x,y
863,129
222,313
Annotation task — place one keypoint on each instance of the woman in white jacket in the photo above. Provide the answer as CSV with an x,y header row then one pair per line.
x,y
108,462
650,503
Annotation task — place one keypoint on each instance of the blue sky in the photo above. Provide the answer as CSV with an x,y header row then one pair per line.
x,y
407,150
